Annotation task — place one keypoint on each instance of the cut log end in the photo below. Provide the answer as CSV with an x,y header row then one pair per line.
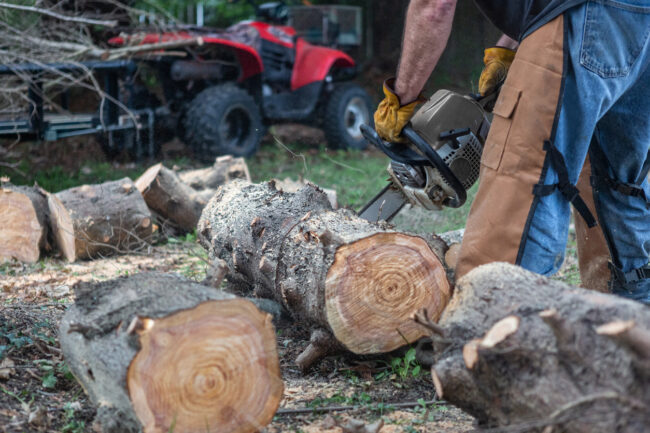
x,y
225,378
20,230
62,227
375,286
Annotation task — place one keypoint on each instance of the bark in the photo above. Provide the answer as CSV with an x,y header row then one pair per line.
x,y
91,221
170,198
356,282
224,170
160,353
289,185
530,353
24,230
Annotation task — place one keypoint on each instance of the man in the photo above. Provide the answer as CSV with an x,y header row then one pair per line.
x,y
577,90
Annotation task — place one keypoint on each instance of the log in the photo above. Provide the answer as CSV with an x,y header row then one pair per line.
x,y
347,279
170,198
24,227
91,221
159,353
526,352
225,169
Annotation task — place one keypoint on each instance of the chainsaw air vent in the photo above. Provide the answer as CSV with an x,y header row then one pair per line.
x,y
465,162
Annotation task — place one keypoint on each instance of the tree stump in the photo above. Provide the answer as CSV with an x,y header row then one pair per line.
x,y
170,198
225,169
354,283
159,353
90,221
24,226
533,354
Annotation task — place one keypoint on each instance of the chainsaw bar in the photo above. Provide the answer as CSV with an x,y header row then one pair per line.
x,y
385,205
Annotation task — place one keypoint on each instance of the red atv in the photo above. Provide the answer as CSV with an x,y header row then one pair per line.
x,y
224,92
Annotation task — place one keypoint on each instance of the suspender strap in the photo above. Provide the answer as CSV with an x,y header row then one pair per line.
x,y
633,276
568,190
629,189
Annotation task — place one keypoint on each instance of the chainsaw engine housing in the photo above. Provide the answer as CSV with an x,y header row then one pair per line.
x,y
455,126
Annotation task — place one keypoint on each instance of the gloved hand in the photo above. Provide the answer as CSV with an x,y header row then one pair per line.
x,y
497,62
391,116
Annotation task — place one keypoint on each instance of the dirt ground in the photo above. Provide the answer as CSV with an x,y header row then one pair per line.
x,y
38,393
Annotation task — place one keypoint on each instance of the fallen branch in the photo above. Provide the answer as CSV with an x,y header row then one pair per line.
x,y
49,13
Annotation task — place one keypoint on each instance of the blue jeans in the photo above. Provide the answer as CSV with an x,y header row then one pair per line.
x,y
605,106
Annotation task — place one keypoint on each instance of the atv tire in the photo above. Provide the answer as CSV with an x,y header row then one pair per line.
x,y
222,120
349,106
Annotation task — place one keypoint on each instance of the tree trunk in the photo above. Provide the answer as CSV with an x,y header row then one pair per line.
x,y
170,198
159,353
534,354
94,220
225,169
341,275
24,228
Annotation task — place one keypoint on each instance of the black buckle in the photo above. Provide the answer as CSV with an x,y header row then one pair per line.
x,y
642,273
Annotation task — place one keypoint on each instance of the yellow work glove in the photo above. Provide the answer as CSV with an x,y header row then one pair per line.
x,y
497,62
391,116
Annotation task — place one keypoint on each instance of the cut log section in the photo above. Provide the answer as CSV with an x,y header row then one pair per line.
x,y
159,353
225,169
24,226
170,198
342,276
526,352
91,221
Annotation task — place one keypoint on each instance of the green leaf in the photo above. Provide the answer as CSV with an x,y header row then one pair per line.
x,y
416,370
410,355
49,380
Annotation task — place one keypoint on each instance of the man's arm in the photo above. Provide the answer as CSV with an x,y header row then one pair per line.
x,y
428,25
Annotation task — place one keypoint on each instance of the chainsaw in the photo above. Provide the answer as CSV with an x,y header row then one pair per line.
x,y
440,160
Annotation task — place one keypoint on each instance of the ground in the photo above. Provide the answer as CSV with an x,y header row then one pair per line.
x,y
38,393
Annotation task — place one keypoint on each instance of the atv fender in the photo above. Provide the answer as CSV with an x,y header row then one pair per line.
x,y
313,63
249,60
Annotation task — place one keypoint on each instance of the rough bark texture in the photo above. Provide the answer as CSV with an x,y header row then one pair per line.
x,y
170,198
334,272
105,219
225,169
160,353
527,352
290,185
24,226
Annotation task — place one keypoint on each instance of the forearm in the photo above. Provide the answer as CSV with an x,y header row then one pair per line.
x,y
507,42
427,29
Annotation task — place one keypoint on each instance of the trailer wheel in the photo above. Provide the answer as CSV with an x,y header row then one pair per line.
x,y
221,120
349,106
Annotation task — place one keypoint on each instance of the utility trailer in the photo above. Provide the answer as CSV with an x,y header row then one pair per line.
x,y
133,131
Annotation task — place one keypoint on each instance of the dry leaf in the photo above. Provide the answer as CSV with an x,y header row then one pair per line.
x,y
6,368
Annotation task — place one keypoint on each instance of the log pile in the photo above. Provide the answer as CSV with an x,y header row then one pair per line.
x,y
355,284
92,221
159,353
516,349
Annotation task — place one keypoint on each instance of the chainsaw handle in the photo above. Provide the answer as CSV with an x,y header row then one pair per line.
x,y
437,162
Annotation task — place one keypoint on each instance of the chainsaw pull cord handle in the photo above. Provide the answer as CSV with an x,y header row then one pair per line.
x,y
437,162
